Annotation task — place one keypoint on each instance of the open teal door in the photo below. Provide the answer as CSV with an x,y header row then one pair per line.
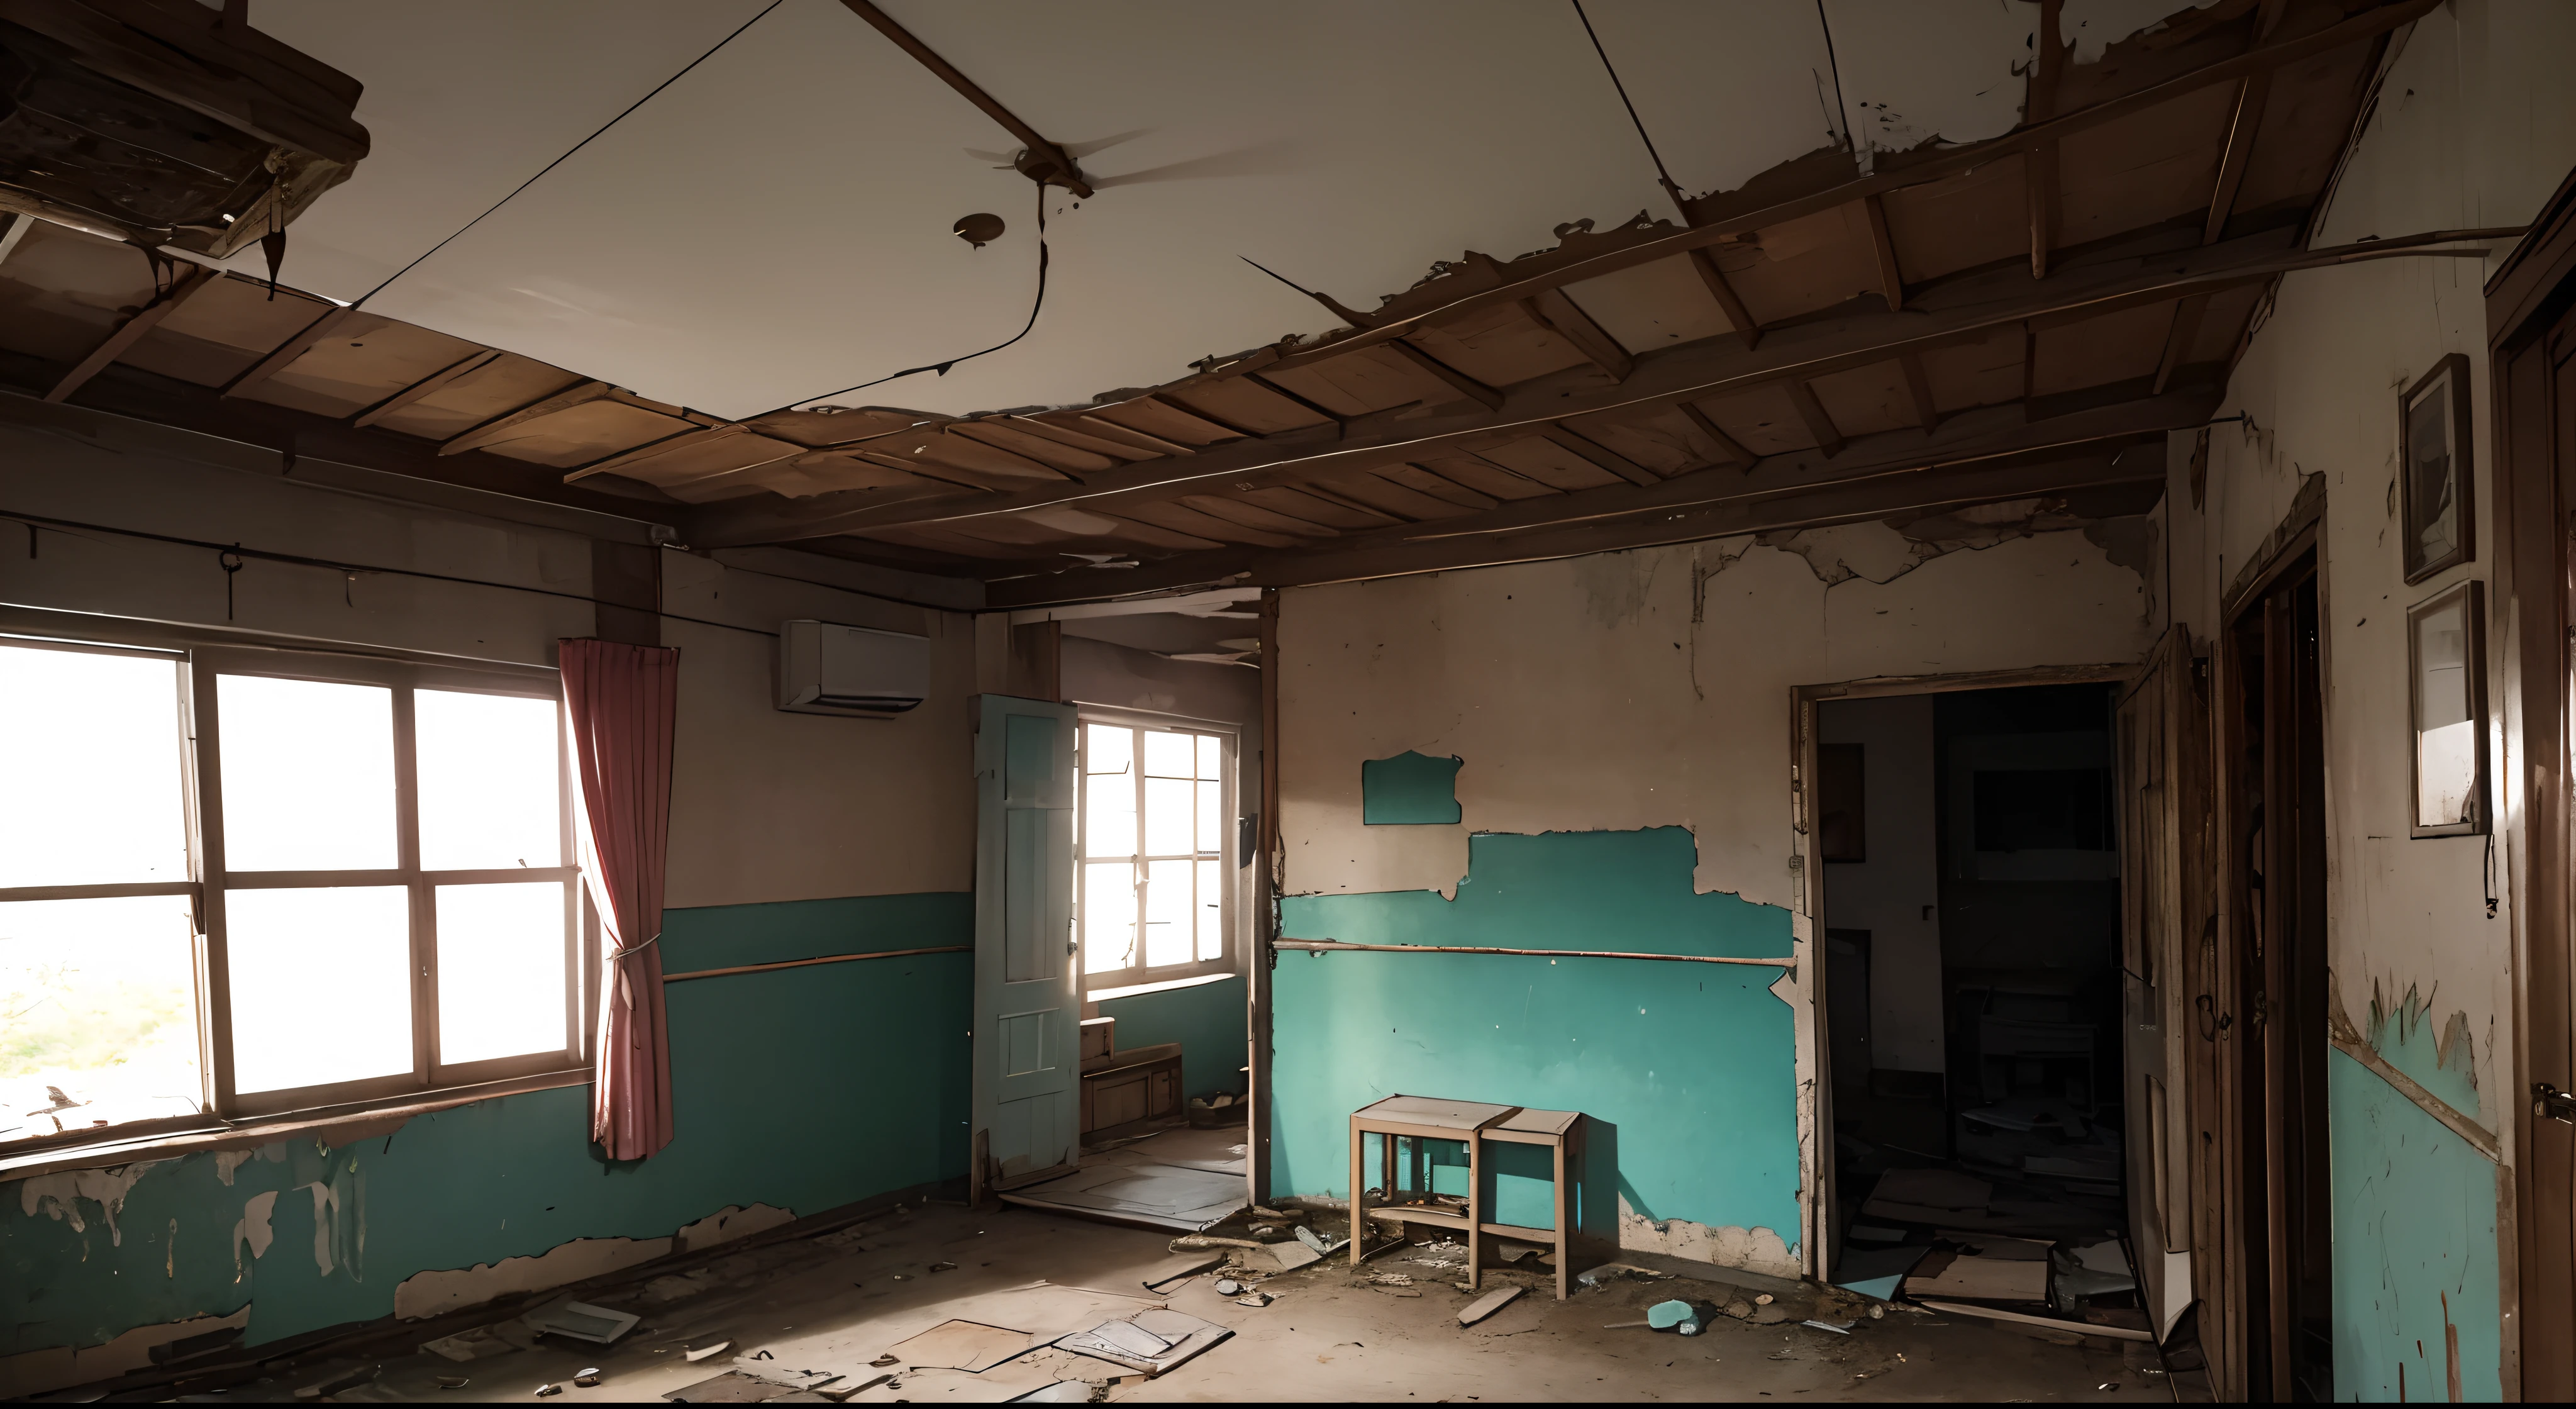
x,y
1028,1000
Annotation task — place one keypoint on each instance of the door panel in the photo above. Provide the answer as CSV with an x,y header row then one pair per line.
x,y
1028,1007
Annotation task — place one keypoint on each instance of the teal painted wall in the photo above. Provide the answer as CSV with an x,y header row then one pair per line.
x,y
1409,790
2415,1247
1209,1021
802,1088
1688,1069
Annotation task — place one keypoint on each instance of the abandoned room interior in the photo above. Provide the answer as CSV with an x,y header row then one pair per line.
x,y
1629,699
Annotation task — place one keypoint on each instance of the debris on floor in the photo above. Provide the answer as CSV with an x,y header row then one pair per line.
x,y
581,1321
960,1345
1487,1305
1152,1341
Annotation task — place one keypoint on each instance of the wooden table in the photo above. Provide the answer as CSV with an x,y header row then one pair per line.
x,y
1471,1123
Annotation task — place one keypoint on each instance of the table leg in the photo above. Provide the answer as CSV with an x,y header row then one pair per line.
x,y
1359,1195
1562,1204
1475,1207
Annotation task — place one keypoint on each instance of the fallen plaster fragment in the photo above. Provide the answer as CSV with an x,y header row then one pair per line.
x,y
253,1228
59,1195
728,1223
1751,1249
433,1293
59,1367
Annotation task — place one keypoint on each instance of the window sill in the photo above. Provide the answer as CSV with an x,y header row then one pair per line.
x,y
351,1123
1102,995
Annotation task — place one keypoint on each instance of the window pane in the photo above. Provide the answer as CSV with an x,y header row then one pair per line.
x,y
490,790
98,1013
500,970
1169,816
1170,927
1108,915
1108,815
1107,748
308,775
102,800
1211,828
321,988
1211,911
1169,755
1211,756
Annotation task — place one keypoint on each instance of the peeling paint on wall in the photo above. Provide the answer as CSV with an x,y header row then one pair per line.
x,y
2446,1065
731,1222
2416,1260
58,1367
434,1293
1753,1249
254,1229
61,1195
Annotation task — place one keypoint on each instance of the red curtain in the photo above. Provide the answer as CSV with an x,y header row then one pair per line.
x,y
622,700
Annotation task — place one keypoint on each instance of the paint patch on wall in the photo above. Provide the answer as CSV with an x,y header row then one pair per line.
x,y
1409,790
1687,1072
2415,1276
254,1229
2401,1030
59,1367
433,1293
1753,1249
60,1195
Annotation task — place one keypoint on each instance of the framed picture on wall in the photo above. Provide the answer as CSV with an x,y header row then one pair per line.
x,y
2439,530
2447,716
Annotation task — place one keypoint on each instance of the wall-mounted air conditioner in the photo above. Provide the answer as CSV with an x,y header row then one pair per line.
x,y
828,669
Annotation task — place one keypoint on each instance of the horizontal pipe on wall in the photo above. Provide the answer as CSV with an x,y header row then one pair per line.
x,y
826,959
1327,946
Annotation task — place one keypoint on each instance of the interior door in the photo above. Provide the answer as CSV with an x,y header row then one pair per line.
x,y
2159,805
1028,1008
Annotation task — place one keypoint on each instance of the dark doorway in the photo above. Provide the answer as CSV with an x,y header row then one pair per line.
x,y
1970,845
2274,759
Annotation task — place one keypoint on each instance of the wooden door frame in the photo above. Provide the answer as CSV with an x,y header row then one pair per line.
x,y
1815,1135
2528,593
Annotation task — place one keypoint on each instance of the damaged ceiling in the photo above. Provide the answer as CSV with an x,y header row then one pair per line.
x,y
1915,259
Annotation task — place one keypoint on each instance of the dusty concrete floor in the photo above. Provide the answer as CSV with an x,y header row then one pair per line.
x,y
834,1303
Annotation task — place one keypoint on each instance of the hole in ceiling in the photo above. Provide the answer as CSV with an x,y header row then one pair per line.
x,y
979,229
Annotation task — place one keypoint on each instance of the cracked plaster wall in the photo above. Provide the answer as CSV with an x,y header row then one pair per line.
x,y
2475,126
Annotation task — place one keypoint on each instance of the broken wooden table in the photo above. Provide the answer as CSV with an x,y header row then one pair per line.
x,y
1471,1123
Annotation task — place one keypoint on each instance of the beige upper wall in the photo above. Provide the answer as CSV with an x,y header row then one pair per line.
x,y
2476,126
1582,694
766,805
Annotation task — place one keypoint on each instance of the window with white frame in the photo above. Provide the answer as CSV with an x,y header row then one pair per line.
x,y
1154,885
238,882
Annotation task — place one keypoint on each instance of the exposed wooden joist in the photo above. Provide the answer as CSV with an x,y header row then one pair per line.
x,y
1812,411
989,448
14,231
1097,443
1328,413
1933,167
2039,163
2178,337
1067,174
1891,280
1727,445
1918,385
1221,427
1129,435
501,425
1970,309
686,438
463,366
295,347
1876,497
2250,97
1599,455
1337,498
1704,263
185,287
1458,381
1551,309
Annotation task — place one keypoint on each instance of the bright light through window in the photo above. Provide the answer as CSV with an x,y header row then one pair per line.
x,y
490,777
308,775
321,985
1153,876
98,1013
95,741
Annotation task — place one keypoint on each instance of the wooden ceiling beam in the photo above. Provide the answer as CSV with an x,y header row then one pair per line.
x,y
1891,280
471,362
190,282
1552,310
1810,410
687,437
1727,445
2178,337
2039,163
1458,381
2251,94
1704,263
1878,497
1968,310
508,421
1918,386
1598,455
288,352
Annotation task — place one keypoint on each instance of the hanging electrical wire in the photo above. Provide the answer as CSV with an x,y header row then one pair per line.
x,y
1662,176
